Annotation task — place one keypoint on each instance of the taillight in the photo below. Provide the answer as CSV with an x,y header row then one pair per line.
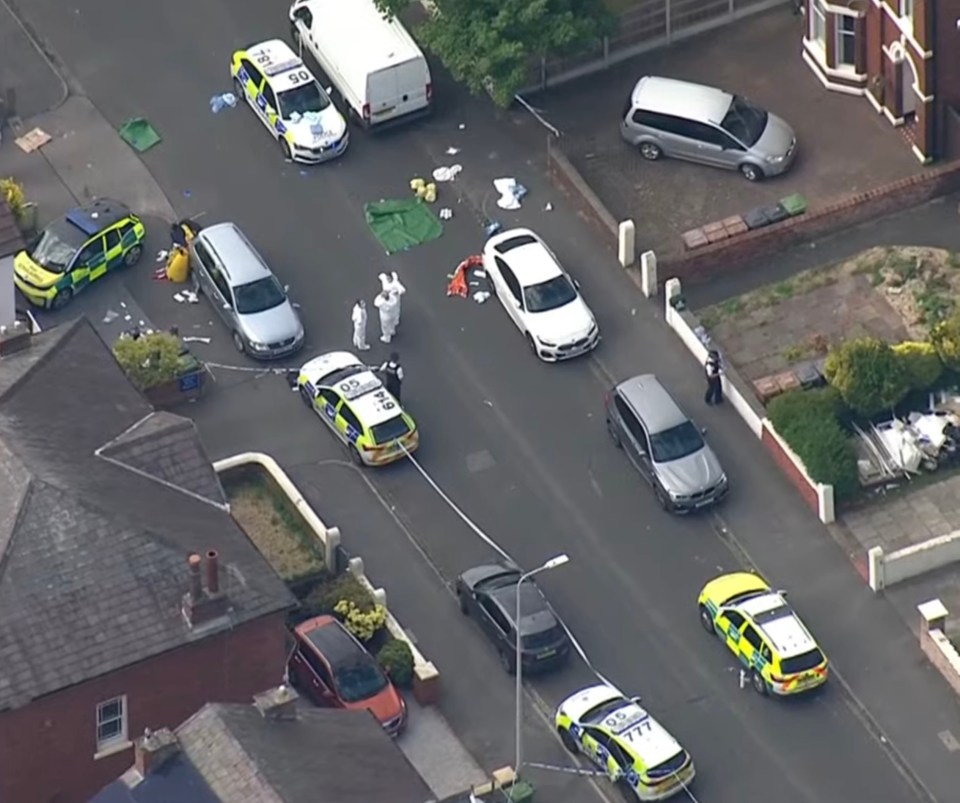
x,y
366,111
429,92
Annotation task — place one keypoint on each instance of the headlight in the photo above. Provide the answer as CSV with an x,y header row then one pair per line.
x,y
774,160
723,479
546,343
259,346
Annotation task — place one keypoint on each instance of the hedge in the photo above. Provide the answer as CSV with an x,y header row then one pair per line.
x,y
921,363
397,660
870,376
809,421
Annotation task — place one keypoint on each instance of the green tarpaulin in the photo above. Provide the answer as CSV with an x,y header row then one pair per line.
x,y
402,224
139,134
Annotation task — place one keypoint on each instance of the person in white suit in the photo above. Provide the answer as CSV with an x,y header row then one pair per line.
x,y
393,285
359,318
389,305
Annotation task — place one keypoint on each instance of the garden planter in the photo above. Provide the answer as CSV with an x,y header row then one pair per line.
x,y
183,388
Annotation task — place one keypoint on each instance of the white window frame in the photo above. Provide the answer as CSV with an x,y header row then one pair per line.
x,y
818,18
842,34
906,10
118,739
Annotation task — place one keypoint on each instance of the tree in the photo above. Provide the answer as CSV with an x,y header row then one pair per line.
x,y
489,44
149,360
868,374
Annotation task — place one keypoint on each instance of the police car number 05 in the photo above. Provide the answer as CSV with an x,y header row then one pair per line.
x,y
299,77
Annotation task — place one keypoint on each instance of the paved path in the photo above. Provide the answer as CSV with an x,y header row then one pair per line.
x,y
520,445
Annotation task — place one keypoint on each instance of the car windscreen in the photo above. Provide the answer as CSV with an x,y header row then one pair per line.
x,y
259,296
802,662
57,246
302,100
745,121
359,680
676,442
390,430
556,292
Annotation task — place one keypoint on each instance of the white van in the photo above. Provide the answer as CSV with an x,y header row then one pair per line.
x,y
374,63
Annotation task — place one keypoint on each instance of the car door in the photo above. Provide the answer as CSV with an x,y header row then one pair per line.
x,y
602,751
729,623
271,112
251,87
348,424
314,675
632,436
128,236
114,251
326,403
494,623
750,645
731,151
509,292
90,259
221,296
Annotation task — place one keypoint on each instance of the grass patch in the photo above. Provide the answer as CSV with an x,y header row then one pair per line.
x,y
274,525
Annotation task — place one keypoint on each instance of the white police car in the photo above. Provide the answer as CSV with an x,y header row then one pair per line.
x,y
288,100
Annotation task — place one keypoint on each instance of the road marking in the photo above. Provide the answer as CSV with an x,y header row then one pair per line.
x,y
480,461
949,741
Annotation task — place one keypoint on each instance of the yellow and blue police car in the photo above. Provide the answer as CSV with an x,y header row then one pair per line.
x,y
625,742
351,399
761,629
290,102
76,250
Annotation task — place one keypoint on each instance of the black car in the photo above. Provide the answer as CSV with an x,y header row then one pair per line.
x,y
489,594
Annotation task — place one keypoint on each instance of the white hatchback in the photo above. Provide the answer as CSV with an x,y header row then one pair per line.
x,y
539,296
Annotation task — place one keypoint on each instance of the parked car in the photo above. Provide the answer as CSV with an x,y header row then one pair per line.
x,y
334,669
489,594
542,300
666,447
666,117
245,293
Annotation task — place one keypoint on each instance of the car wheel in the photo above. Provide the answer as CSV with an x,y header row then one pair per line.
x,y
238,343
507,662
285,149
61,299
759,684
707,620
650,152
355,456
238,89
295,34
751,172
627,792
305,397
662,499
462,602
568,741
132,257
614,435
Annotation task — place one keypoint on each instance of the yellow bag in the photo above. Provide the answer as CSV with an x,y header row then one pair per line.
x,y
178,265
430,193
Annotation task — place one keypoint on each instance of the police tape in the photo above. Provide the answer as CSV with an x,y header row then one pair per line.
x,y
249,370
568,770
504,554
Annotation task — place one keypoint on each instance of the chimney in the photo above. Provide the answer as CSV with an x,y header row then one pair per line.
x,y
277,703
201,605
213,572
154,749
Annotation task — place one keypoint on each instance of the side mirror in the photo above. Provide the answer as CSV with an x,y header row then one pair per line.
x,y
516,303
286,288
576,284
703,430
226,305
782,593
328,90
636,700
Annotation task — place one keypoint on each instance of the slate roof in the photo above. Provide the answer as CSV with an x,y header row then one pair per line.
x,y
323,756
102,499
176,781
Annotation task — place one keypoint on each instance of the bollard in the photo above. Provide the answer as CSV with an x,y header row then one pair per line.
x,y
648,273
627,243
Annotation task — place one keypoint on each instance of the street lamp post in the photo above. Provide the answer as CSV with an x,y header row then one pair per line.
x,y
553,563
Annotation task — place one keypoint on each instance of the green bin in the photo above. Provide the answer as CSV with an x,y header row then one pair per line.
x,y
794,204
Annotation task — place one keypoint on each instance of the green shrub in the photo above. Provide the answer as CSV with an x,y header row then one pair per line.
x,y
325,597
921,364
396,659
868,375
808,420
363,624
149,360
945,337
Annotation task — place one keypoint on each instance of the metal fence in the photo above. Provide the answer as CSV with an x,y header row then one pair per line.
x,y
648,25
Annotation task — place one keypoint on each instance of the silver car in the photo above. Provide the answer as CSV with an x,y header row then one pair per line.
x,y
665,445
666,117
244,292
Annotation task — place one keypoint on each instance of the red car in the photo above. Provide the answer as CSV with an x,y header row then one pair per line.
x,y
335,670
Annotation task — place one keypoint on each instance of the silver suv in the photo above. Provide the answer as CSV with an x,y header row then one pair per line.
x,y
245,294
665,445
666,117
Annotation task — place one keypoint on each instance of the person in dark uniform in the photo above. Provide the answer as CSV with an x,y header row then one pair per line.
x,y
714,370
392,373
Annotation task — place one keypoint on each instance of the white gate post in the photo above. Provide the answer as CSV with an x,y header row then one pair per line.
x,y
627,243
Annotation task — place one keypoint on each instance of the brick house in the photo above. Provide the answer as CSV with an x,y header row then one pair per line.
x,y
106,626
902,56
273,751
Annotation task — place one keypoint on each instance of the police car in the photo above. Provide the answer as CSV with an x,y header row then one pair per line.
x,y
762,630
359,410
76,250
288,100
634,750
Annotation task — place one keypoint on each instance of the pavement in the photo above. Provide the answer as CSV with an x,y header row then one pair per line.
x,y
844,146
25,69
520,446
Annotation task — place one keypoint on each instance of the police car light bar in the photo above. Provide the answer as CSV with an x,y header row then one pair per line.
x,y
83,221
283,66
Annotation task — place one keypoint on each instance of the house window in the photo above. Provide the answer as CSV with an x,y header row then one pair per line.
x,y
846,41
111,722
818,23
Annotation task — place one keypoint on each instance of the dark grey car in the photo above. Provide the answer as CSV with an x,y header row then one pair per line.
x,y
666,447
489,594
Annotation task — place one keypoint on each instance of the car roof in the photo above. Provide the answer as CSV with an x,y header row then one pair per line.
x,y
273,58
97,216
242,261
578,703
651,401
323,365
633,727
332,641
785,632
535,613
705,104
376,405
531,261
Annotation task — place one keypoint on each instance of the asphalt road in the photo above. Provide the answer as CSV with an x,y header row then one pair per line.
x,y
521,446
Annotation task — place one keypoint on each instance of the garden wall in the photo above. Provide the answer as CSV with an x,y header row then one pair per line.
x,y
426,678
885,570
934,642
687,326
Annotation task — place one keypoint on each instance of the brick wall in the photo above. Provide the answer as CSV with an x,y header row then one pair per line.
x,y
788,467
938,656
737,252
47,747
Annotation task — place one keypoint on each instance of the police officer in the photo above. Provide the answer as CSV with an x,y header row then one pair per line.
x,y
392,373
714,370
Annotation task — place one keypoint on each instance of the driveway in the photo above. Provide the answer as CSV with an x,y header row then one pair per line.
x,y
844,146
520,446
